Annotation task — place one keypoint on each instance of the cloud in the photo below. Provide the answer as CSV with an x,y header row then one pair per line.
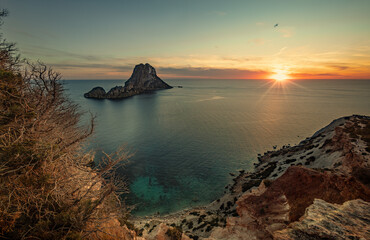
x,y
339,67
51,52
286,32
281,51
118,68
219,13
239,59
107,71
259,41
191,66
24,34
315,75
39,35
301,62
214,73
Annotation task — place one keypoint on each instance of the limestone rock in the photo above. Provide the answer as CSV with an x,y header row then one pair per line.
x,y
275,204
323,220
297,188
143,79
120,92
96,92
161,233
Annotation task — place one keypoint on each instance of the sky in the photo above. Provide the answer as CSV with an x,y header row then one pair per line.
x,y
220,39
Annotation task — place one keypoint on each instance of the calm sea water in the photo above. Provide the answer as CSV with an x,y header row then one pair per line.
x,y
187,140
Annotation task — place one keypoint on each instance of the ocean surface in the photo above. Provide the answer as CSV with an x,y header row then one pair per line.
x,y
187,140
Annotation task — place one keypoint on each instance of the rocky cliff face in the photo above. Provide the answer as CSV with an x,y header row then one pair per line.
x,y
143,79
318,189
333,165
323,220
275,204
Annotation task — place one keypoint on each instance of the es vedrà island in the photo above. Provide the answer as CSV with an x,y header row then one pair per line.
x,y
144,79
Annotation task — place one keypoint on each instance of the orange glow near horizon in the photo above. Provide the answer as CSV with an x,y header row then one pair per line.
x,y
276,72
280,75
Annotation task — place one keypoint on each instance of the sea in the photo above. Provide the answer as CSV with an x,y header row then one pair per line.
x,y
187,142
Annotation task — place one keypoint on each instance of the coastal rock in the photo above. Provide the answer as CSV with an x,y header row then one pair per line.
x,y
143,79
275,204
112,229
298,187
120,92
96,92
164,232
116,91
332,165
323,220
279,199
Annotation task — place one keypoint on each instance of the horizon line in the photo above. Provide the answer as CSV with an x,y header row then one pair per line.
x,y
257,79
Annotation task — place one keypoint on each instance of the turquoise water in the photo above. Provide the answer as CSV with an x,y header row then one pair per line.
x,y
187,140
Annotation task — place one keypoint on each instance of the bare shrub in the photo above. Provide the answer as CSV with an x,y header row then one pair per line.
x,y
48,189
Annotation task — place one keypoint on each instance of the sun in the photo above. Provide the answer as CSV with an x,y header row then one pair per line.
x,y
280,75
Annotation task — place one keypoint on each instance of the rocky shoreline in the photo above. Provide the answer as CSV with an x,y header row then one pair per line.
x,y
143,80
295,192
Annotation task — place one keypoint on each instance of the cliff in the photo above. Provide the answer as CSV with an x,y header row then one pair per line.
x,y
48,188
323,220
143,79
316,189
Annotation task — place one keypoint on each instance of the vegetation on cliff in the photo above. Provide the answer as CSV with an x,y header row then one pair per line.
x,y
48,189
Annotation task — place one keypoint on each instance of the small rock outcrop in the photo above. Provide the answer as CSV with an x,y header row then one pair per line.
x,y
96,92
144,79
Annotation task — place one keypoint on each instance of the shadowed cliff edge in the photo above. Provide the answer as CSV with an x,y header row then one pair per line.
x,y
144,79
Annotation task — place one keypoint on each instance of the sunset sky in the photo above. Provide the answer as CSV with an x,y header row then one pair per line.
x,y
224,39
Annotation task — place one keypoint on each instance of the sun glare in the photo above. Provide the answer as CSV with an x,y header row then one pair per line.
x,y
280,75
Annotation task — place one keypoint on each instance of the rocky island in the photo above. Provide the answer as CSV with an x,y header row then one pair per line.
x,y
144,79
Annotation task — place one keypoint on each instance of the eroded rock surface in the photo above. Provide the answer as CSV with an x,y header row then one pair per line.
x,y
297,188
96,92
143,79
323,220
